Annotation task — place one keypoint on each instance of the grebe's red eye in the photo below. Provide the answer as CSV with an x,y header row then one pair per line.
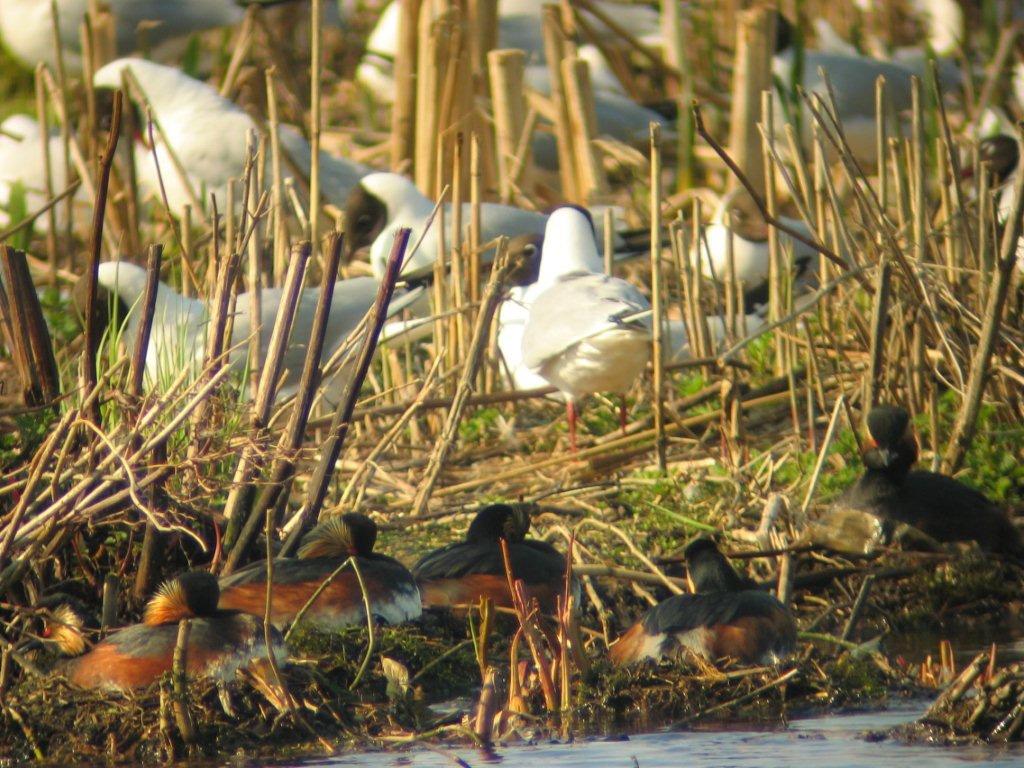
x,y
47,632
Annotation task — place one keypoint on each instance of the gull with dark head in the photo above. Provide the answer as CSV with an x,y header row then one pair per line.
x,y
514,312
999,156
382,203
587,332
750,252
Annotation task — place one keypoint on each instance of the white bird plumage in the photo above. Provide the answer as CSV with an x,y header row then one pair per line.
x,y
27,25
21,162
677,338
587,332
180,326
750,255
390,201
208,134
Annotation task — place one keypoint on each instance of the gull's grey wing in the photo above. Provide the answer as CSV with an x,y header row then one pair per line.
x,y
853,81
339,175
350,302
498,220
577,307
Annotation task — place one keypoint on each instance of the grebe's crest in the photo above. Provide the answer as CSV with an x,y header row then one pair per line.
x,y
500,521
188,596
64,627
708,568
341,536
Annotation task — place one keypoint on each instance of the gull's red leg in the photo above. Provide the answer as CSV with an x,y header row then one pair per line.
x,y
622,414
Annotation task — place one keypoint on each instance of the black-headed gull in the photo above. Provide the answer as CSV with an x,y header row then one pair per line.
x,y
180,325
383,202
514,312
208,133
750,254
586,332
1000,154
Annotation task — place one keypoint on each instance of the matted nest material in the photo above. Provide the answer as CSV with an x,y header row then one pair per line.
x,y
981,706
683,692
56,723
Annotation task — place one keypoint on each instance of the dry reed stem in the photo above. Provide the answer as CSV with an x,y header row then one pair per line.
x,y
967,417
507,68
179,678
282,470
528,627
316,492
755,35
316,120
657,297
554,51
403,110
67,193
491,298
92,330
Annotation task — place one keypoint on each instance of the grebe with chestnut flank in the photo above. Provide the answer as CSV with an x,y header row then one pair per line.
x,y
724,618
463,572
220,642
394,597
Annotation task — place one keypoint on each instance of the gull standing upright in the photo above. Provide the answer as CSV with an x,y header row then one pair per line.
x,y
587,332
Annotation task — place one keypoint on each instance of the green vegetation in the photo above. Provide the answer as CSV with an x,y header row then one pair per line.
x,y
16,90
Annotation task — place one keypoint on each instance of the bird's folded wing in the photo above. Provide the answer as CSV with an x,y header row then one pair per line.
x,y
577,307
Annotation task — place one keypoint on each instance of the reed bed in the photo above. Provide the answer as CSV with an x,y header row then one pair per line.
x,y
106,481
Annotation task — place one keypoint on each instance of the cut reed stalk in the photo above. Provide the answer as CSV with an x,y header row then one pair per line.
x,y
92,328
657,298
492,296
316,492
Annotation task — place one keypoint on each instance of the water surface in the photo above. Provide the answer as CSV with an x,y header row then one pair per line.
x,y
831,741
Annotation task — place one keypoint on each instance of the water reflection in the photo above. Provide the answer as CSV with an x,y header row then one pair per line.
x,y
832,741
